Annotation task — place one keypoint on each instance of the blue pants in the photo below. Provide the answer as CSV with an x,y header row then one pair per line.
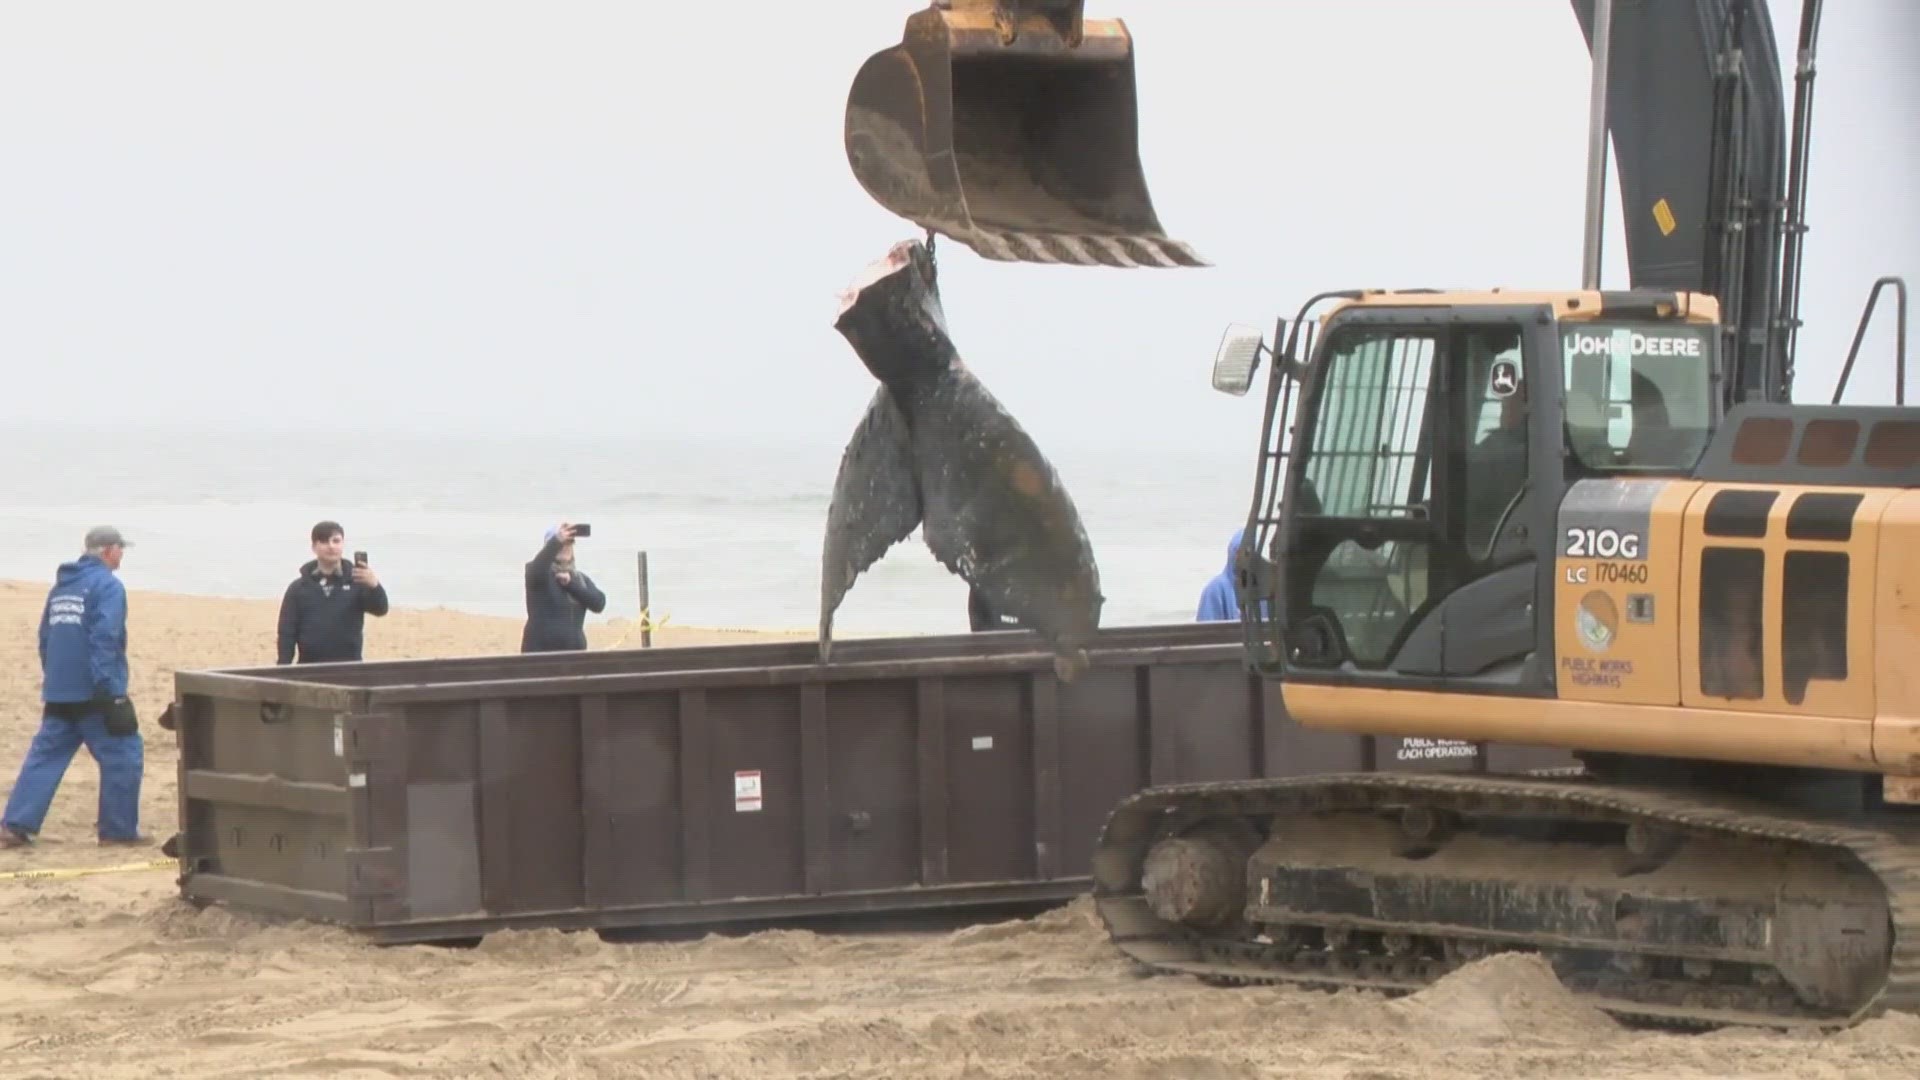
x,y
122,760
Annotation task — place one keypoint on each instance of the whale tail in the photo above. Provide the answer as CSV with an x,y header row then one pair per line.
x,y
876,504
936,451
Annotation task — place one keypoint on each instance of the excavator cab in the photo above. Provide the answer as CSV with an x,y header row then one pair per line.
x,y
1011,126
1411,492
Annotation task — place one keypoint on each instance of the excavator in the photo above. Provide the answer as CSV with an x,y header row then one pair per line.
x,y
1588,519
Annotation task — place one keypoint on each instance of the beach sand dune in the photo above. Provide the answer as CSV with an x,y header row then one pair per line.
x,y
112,976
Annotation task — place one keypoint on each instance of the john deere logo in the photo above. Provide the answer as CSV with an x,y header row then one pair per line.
x,y
1504,380
1598,619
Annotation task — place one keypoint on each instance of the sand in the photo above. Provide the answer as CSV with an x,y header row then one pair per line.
x,y
111,976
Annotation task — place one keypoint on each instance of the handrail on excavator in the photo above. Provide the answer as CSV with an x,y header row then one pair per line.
x,y
1899,339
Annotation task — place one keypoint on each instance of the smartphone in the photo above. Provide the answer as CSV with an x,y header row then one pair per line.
x,y
582,530
359,558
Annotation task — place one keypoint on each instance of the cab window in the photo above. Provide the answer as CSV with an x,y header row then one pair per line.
x,y
1369,455
1494,476
1639,396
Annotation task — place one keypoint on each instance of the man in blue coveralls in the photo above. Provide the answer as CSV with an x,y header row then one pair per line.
x,y
83,667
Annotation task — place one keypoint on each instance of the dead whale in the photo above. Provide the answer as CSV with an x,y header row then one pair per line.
x,y
936,451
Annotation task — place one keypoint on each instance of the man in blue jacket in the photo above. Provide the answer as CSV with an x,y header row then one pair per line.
x,y
83,668
1217,599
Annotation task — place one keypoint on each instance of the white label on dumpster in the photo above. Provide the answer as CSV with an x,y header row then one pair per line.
x,y
339,737
358,779
1434,749
746,792
983,742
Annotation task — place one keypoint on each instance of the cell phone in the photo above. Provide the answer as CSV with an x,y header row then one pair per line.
x,y
359,558
583,530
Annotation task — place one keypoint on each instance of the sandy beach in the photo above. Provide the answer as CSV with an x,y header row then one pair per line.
x,y
109,975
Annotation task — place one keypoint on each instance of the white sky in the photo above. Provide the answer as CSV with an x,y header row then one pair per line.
x,y
608,217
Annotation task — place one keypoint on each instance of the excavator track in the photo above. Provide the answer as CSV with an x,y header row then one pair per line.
x,y
1663,906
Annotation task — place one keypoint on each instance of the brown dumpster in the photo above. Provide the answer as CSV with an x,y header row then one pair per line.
x,y
697,787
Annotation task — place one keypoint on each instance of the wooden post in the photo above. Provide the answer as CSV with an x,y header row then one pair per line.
x,y
646,615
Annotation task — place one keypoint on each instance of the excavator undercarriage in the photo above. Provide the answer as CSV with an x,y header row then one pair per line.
x,y
1661,905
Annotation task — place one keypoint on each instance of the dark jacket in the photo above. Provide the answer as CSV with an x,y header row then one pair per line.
x,y
556,613
982,618
83,634
322,616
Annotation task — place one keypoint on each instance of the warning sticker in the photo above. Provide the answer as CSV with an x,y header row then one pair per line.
x,y
1663,217
746,791
1434,749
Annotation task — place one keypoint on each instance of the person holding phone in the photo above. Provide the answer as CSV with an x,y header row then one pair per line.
x,y
981,617
559,595
323,613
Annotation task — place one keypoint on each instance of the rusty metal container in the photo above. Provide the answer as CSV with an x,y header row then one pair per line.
x,y
698,787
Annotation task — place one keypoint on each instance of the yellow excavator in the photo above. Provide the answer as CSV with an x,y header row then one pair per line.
x,y
1578,518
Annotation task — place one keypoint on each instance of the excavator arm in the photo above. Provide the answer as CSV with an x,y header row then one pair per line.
x,y
1695,108
1011,126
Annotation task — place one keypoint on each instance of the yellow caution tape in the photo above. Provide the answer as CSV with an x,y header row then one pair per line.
x,y
645,623
88,871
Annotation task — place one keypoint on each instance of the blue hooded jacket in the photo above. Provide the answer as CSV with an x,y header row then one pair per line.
x,y
1217,601
83,634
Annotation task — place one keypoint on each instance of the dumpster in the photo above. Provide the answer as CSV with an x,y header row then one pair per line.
x,y
699,787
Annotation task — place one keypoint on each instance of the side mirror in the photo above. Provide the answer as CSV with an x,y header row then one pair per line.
x,y
1236,360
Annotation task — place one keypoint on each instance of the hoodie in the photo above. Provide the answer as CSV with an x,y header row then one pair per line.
x,y
83,634
556,613
1217,600
322,616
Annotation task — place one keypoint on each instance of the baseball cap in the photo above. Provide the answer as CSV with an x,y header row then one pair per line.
x,y
552,531
105,536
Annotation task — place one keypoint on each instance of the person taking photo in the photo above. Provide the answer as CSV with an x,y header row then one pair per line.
x,y
323,613
559,595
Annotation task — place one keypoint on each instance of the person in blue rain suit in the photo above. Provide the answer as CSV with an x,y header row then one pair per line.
x,y
1217,601
83,665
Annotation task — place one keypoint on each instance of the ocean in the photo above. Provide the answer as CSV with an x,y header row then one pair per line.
x,y
732,527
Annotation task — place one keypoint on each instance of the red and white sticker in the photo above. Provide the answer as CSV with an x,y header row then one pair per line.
x,y
746,791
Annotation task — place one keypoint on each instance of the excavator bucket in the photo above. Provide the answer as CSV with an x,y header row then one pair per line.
x,y
1011,127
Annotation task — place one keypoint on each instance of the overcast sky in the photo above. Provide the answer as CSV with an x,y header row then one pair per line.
x,y
614,217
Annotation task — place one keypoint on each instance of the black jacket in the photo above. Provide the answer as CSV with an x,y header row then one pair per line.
x,y
983,618
322,615
556,613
